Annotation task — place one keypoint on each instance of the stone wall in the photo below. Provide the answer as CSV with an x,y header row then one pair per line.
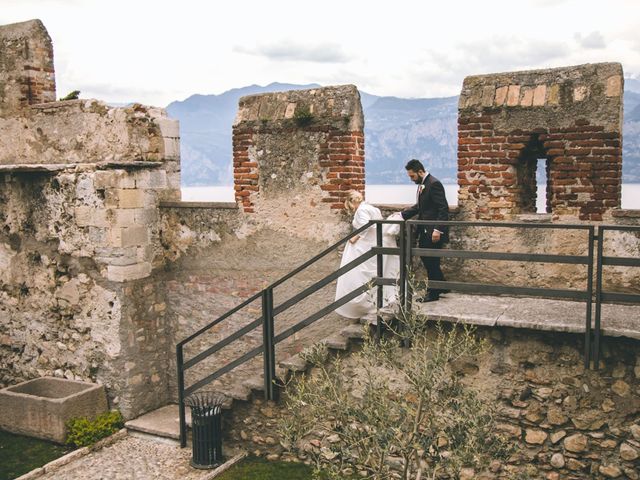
x,y
570,117
568,422
308,141
77,250
80,232
26,66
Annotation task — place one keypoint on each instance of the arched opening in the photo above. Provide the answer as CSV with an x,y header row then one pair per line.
x,y
534,191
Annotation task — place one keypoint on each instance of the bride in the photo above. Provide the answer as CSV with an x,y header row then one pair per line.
x,y
365,303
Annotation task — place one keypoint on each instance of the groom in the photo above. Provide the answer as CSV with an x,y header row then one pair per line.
x,y
431,204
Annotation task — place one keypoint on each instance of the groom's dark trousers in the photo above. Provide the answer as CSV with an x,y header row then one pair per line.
x,y
431,264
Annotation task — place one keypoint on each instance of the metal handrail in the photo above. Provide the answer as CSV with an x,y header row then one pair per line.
x,y
586,295
406,251
269,312
606,297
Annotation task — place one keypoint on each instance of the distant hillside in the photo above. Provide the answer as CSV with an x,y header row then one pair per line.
x,y
396,129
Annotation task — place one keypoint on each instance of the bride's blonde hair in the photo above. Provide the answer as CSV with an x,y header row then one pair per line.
x,y
354,198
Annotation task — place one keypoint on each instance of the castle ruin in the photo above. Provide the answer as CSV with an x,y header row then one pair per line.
x,y
103,269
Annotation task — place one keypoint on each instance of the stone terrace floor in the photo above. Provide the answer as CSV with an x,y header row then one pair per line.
x,y
534,313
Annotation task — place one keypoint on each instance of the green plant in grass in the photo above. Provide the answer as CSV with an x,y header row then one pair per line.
x,y
83,432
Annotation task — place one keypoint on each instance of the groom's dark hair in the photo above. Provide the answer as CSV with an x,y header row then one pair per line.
x,y
414,165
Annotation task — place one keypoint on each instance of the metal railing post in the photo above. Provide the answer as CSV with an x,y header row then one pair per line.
x,y
270,392
596,339
403,267
409,259
587,329
183,421
379,274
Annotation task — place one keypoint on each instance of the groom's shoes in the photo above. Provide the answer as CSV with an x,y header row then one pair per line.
x,y
439,292
429,297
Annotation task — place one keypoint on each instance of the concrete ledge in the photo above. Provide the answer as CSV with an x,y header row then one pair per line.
x,y
222,205
530,313
625,213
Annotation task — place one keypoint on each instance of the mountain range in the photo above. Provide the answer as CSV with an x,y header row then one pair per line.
x,y
396,129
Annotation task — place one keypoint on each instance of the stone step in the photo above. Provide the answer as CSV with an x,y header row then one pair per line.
x,y
254,383
353,331
163,422
337,342
294,363
234,392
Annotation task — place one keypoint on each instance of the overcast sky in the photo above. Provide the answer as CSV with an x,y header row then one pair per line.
x,y
157,51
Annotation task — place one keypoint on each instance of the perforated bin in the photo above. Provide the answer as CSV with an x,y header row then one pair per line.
x,y
206,428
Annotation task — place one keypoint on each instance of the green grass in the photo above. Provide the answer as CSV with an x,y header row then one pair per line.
x,y
19,455
260,469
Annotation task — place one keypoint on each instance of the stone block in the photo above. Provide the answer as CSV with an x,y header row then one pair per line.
x,y
173,181
134,236
513,95
527,97
290,110
117,273
171,148
41,407
128,236
116,255
580,93
488,92
614,86
539,95
130,198
103,179
145,215
122,217
151,179
169,127
554,95
90,217
501,95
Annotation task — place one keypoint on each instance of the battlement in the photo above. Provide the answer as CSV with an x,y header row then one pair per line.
x,y
27,76
569,117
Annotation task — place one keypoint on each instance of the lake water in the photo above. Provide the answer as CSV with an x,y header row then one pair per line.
x,y
393,194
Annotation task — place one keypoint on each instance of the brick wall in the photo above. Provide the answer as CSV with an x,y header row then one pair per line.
x,y
27,75
309,140
570,118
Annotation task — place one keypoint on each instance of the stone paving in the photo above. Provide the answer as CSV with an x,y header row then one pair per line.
x,y
132,458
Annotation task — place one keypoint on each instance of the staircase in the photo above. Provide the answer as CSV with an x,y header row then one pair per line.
x,y
164,422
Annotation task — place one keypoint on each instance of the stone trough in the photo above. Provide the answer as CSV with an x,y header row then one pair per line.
x,y
41,407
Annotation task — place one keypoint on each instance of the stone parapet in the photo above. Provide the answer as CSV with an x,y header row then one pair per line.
x,y
570,117
26,66
88,131
303,140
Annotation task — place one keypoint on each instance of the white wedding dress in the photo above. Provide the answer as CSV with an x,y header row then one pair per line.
x,y
365,303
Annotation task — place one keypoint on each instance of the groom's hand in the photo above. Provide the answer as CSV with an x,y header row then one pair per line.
x,y
435,236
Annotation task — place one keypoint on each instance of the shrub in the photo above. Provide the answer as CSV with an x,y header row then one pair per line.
x,y
83,432
303,116
409,414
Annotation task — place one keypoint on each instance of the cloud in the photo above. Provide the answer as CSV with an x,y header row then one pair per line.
x,y
593,40
287,50
496,54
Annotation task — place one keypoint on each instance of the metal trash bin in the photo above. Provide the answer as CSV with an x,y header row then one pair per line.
x,y
206,428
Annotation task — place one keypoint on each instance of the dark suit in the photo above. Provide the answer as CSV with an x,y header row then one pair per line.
x,y
431,205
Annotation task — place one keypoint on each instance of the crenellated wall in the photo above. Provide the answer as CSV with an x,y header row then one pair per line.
x,y
26,66
569,117
309,141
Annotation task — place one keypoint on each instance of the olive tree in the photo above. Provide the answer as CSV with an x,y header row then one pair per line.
x,y
392,411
